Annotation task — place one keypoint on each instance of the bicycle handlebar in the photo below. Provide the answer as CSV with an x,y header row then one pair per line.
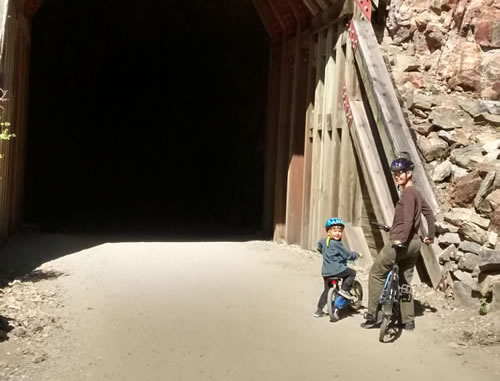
x,y
381,226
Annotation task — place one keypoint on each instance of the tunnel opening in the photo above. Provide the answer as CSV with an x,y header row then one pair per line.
x,y
147,117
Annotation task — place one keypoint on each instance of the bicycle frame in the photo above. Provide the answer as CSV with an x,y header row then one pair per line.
x,y
390,291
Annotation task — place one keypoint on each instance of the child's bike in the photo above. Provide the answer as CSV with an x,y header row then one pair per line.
x,y
337,302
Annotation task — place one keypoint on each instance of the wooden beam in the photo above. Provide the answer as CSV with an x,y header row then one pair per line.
x,y
267,17
391,125
271,139
282,144
312,6
323,4
308,145
329,140
317,138
296,148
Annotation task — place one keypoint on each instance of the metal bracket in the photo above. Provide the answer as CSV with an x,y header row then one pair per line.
x,y
347,106
353,36
366,8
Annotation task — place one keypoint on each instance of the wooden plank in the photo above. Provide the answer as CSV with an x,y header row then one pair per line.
x,y
282,143
391,125
296,147
327,196
323,4
312,6
354,239
315,209
271,138
267,17
371,165
384,104
308,145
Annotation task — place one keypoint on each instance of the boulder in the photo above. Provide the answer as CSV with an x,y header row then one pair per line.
x,y
448,254
484,117
444,227
466,278
484,188
487,31
490,66
469,247
458,172
457,216
494,199
466,189
448,136
449,238
486,282
448,118
432,147
442,171
434,36
495,305
463,295
422,128
463,156
489,260
465,66
468,262
472,106
495,221
473,232
419,101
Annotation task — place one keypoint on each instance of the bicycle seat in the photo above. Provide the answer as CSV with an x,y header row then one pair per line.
x,y
334,279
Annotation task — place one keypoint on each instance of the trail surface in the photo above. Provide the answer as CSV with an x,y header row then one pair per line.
x,y
220,311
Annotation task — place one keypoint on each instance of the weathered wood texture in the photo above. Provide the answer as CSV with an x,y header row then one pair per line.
x,y
14,69
391,125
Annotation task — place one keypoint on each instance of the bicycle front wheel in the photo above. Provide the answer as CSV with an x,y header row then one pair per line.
x,y
357,291
332,310
383,328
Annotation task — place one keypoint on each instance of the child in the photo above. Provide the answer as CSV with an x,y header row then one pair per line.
x,y
335,257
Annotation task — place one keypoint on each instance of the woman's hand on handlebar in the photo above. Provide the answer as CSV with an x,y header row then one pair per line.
x,y
427,240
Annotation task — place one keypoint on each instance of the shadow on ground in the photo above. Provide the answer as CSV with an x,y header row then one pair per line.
x,y
21,255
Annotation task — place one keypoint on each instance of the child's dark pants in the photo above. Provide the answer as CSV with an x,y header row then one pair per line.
x,y
347,276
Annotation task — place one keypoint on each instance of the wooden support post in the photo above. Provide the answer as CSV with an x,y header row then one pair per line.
x,y
308,144
296,149
282,153
391,125
317,136
328,200
271,139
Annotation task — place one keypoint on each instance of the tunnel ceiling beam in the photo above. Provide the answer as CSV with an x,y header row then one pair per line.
x,y
268,18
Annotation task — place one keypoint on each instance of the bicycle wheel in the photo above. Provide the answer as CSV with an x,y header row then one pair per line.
x,y
357,291
332,310
383,328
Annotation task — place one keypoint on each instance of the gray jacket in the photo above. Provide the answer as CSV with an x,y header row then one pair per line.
x,y
335,257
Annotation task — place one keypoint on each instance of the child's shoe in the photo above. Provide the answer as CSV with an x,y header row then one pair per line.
x,y
346,294
319,313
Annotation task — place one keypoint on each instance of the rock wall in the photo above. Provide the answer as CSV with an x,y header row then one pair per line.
x,y
445,60
455,41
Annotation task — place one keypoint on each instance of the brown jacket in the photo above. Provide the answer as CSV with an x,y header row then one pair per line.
x,y
407,216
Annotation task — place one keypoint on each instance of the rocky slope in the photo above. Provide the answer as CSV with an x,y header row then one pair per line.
x,y
445,59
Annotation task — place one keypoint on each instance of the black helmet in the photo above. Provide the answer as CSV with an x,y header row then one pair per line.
x,y
402,164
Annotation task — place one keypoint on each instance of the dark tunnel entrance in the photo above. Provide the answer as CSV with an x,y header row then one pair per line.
x,y
147,117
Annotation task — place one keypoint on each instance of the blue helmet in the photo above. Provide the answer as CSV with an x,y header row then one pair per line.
x,y
334,221
402,164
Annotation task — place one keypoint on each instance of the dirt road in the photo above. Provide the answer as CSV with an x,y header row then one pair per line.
x,y
219,311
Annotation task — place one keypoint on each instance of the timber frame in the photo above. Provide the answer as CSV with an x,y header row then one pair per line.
x,y
334,123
